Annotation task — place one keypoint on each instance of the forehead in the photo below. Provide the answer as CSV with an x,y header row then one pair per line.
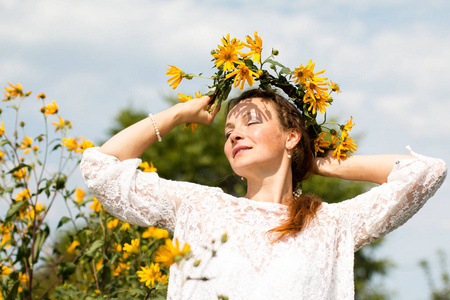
x,y
262,108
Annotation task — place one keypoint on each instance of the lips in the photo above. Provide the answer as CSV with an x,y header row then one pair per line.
x,y
238,149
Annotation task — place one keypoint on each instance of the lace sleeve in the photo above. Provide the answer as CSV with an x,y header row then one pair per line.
x,y
131,195
386,207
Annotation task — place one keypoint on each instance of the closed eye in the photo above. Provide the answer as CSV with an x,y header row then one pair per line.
x,y
227,135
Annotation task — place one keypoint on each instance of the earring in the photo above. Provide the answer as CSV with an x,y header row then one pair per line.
x,y
242,178
289,156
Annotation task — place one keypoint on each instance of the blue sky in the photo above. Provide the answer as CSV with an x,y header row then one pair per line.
x,y
391,59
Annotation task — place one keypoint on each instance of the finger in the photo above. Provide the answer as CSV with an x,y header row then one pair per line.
x,y
216,110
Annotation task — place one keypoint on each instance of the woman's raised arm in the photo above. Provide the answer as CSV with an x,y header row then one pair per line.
x,y
133,140
371,168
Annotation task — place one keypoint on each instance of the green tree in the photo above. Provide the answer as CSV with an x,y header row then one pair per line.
x,y
438,291
198,157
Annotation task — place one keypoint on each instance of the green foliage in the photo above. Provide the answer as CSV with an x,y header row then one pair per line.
x,y
439,291
88,259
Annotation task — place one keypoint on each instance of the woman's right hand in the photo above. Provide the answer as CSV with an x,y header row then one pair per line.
x,y
133,140
197,111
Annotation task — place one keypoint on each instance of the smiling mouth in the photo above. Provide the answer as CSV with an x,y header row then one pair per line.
x,y
240,151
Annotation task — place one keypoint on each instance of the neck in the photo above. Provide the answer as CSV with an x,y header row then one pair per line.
x,y
276,188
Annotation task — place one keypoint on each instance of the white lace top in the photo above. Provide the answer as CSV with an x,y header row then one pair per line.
x,y
315,264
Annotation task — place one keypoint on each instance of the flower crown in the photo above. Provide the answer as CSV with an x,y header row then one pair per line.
x,y
308,92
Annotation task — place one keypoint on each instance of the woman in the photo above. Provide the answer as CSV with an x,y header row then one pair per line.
x,y
281,245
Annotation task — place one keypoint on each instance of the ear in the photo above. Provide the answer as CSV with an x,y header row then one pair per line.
x,y
293,137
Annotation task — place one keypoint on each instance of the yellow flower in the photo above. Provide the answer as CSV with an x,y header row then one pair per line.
x,y
6,237
349,144
13,92
21,173
31,213
41,95
50,109
79,195
125,226
70,143
155,232
2,129
169,253
85,144
23,280
318,101
184,98
71,248
62,124
120,268
96,205
5,270
255,46
345,147
243,73
113,223
147,168
99,264
176,74
151,274
193,126
23,195
348,124
26,144
320,143
1,155
304,73
133,247
227,55
334,87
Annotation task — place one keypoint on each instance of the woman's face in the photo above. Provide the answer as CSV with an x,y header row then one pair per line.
x,y
255,140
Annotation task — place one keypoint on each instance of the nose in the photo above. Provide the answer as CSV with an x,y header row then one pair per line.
x,y
235,136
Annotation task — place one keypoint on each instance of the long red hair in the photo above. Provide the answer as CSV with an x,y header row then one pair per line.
x,y
303,208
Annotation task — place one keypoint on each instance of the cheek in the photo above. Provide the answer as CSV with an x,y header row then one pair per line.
x,y
227,149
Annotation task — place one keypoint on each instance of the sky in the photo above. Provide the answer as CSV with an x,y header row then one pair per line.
x,y
391,59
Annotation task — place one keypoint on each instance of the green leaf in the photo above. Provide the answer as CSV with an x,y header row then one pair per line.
x,y
20,166
14,208
40,238
136,291
97,244
273,62
285,70
63,221
65,269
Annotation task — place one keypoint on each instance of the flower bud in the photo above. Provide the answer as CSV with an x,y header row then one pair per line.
x,y
144,248
22,124
197,263
178,258
42,109
61,182
275,52
224,238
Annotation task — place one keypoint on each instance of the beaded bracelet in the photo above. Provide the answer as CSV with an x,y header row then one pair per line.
x,y
156,127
